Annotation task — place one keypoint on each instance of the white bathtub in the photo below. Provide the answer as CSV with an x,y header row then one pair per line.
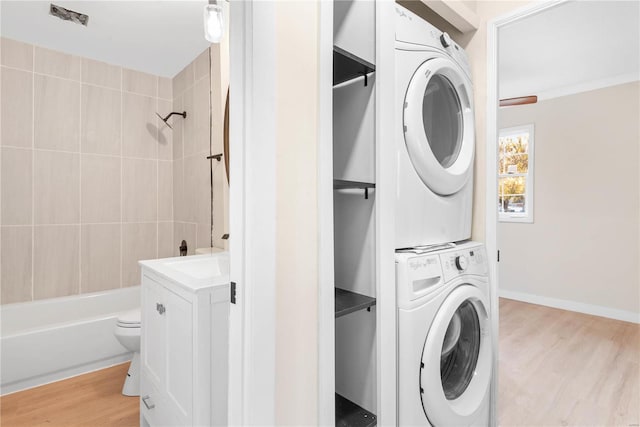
x,y
48,340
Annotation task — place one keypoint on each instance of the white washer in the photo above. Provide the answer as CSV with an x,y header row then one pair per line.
x,y
435,139
445,353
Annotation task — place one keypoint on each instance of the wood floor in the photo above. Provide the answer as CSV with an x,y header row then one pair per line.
x,y
559,368
91,400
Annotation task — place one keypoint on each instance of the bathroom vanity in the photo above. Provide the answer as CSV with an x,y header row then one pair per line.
x,y
184,341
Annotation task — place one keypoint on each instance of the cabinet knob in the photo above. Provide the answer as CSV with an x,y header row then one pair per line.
x,y
160,308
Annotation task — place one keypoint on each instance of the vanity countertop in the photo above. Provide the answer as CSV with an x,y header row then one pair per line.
x,y
192,272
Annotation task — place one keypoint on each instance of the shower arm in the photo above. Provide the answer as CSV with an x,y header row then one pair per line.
x,y
164,119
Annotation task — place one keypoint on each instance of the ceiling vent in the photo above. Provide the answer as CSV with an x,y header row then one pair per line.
x,y
68,15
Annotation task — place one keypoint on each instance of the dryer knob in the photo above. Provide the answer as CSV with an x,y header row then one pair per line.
x,y
461,262
445,40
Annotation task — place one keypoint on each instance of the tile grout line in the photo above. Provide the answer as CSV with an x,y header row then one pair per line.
x,y
80,185
87,83
121,257
33,174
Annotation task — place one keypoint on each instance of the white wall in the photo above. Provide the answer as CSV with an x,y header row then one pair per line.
x,y
297,71
583,245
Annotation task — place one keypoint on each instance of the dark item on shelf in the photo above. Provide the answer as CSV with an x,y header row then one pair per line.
x,y
347,302
183,248
347,66
339,184
348,414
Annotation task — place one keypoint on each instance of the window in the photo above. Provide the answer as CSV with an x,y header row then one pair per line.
x,y
515,174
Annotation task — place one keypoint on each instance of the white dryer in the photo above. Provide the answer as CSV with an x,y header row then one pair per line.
x,y
435,139
445,353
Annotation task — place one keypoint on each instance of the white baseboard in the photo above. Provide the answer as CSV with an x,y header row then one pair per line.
x,y
595,310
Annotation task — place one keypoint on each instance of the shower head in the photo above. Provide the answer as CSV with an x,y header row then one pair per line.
x,y
164,119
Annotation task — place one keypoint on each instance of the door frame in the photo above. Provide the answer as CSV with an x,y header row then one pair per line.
x,y
252,197
491,179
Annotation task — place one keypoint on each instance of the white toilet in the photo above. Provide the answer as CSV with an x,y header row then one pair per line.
x,y
127,331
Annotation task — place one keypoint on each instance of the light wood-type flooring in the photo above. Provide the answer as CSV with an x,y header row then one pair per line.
x,y
90,400
557,368
560,368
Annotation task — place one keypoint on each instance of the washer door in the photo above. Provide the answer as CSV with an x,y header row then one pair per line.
x,y
439,125
455,373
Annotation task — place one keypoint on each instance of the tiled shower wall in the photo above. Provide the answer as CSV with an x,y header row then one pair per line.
x,y
86,172
191,146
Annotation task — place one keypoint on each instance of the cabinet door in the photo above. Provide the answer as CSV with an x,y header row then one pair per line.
x,y
154,326
179,336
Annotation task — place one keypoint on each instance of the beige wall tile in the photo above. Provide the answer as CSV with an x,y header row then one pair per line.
x,y
17,108
183,80
201,65
100,189
179,211
101,74
57,114
203,235
16,264
139,132
54,63
17,168
101,111
220,206
178,127
196,189
165,88
165,191
140,190
165,133
199,143
56,268
139,82
165,239
188,126
184,231
139,242
16,54
100,249
57,187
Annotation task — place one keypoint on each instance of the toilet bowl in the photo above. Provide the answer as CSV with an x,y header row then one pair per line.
x,y
127,332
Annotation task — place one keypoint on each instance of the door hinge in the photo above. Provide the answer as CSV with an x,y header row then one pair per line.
x,y
498,255
233,292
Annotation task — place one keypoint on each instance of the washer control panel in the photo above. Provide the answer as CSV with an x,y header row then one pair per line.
x,y
464,261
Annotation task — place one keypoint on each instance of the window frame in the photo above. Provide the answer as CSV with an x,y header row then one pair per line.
x,y
526,217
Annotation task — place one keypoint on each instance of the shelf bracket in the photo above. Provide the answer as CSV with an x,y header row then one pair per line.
x,y
366,78
366,193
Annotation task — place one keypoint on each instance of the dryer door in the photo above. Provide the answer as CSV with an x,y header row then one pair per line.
x,y
455,372
439,125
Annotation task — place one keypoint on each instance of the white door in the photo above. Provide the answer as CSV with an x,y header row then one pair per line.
x,y
455,372
438,125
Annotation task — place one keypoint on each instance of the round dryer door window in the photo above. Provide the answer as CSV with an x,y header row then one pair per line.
x,y
455,372
439,125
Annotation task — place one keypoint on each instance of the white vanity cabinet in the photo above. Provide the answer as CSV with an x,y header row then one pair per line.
x,y
184,341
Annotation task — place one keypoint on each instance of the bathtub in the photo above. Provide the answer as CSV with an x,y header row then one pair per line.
x,y
49,340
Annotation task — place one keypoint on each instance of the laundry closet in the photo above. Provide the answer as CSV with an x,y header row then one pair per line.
x,y
354,201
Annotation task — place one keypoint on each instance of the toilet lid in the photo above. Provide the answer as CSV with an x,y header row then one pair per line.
x,y
129,318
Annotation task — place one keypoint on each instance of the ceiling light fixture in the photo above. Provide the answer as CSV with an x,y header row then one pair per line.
x,y
213,22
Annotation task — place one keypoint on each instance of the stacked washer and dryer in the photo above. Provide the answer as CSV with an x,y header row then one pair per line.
x,y
445,353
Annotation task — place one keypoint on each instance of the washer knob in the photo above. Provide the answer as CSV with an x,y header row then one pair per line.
x,y
461,262
445,39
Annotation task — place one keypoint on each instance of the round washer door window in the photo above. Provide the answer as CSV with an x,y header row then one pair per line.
x,y
455,373
439,125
